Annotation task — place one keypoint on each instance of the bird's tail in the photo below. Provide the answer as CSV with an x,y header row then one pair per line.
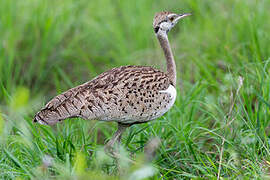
x,y
56,111
48,117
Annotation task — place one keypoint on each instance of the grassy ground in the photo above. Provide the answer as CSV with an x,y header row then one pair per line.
x,y
218,128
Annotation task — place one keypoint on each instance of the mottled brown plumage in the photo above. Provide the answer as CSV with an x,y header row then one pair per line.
x,y
159,17
127,95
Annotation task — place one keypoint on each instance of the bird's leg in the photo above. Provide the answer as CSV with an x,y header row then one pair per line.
x,y
119,139
118,144
109,147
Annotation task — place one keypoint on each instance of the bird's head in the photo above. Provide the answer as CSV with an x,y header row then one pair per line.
x,y
165,21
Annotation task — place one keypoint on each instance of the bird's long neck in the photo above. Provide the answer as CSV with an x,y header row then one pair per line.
x,y
165,45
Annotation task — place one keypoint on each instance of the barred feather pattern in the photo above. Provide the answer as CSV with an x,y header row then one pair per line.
x,y
127,94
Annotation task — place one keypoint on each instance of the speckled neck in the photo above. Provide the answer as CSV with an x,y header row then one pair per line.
x,y
165,45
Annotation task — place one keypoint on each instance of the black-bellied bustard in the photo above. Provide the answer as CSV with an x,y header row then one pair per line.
x,y
127,95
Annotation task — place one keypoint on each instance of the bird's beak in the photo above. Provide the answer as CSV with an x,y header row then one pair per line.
x,y
180,16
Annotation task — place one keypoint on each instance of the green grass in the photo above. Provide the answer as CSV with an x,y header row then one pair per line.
x,y
219,126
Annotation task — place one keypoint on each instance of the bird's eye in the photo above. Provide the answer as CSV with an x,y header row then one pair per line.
x,y
171,18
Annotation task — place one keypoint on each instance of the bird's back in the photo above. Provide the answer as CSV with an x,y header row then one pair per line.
x,y
128,94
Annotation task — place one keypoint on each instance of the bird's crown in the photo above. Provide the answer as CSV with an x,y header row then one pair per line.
x,y
160,17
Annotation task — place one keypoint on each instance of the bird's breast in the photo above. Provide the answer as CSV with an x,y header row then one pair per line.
x,y
171,92
139,106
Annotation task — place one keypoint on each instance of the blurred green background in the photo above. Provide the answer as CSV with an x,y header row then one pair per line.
x,y
219,126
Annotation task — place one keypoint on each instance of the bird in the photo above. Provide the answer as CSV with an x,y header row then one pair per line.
x,y
127,95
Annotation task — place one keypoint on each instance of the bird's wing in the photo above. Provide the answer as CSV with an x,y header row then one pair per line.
x,y
92,99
